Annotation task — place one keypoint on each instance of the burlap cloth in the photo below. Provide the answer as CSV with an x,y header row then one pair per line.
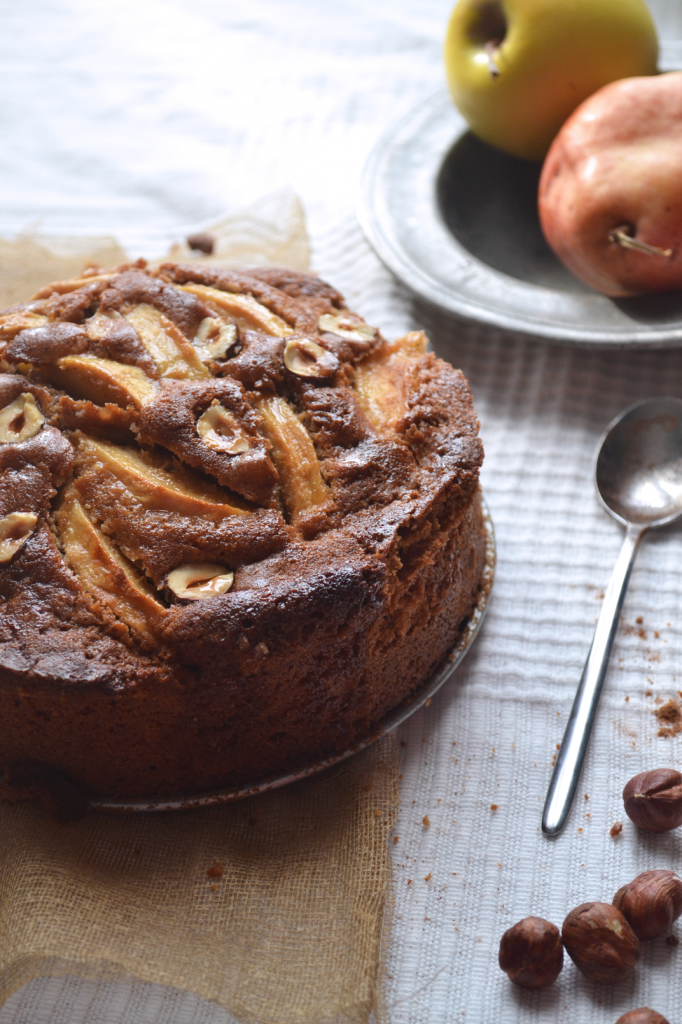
x,y
274,907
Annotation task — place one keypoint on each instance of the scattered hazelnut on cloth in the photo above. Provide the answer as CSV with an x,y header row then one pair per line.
x,y
653,800
531,953
643,1015
651,902
600,942
202,242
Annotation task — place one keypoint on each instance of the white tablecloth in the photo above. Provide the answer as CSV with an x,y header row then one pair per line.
x,y
146,118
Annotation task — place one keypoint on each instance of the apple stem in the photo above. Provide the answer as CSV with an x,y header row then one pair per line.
x,y
622,238
490,48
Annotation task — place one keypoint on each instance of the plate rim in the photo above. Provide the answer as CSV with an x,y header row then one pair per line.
x,y
391,721
425,286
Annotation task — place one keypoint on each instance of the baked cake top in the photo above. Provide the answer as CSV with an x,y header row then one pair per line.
x,y
186,449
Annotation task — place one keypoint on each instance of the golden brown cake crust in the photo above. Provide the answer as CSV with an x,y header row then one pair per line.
x,y
324,481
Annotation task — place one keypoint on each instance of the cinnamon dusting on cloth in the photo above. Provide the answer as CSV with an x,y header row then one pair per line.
x,y
670,717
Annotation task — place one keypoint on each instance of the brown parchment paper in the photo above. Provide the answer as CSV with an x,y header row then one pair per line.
x,y
271,232
276,907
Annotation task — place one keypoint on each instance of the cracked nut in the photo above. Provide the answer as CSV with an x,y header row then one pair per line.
x,y
651,902
531,953
653,800
215,338
306,358
600,942
346,327
643,1015
200,581
20,420
219,430
15,529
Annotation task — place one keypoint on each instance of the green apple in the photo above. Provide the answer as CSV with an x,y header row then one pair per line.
x,y
518,68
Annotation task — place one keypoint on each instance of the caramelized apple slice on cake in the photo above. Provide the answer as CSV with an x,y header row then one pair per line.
x,y
104,572
109,421
246,311
64,287
383,384
11,323
172,354
148,479
294,456
102,380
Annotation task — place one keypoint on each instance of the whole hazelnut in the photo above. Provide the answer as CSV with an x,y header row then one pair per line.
x,y
651,902
600,942
531,954
653,800
202,241
643,1015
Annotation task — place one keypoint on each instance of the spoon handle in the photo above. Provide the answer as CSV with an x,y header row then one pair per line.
x,y
569,762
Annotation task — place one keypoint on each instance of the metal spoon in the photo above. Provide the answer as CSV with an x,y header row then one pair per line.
x,y
639,480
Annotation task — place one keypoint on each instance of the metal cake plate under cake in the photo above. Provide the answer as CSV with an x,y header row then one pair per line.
x,y
456,221
395,718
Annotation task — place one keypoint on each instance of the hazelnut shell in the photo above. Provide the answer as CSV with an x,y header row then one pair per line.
x,y
653,800
305,358
15,530
600,942
531,953
651,902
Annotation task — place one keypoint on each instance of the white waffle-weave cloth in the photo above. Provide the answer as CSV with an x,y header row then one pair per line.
x,y
150,118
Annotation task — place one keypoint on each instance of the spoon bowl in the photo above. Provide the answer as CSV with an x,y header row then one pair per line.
x,y
639,480
639,464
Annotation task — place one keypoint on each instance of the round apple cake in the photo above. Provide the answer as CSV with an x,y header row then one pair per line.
x,y
237,527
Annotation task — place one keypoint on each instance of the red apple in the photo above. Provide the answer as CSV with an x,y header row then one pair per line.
x,y
610,197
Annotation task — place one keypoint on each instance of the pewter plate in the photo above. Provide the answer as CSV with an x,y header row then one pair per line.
x,y
455,220
391,721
